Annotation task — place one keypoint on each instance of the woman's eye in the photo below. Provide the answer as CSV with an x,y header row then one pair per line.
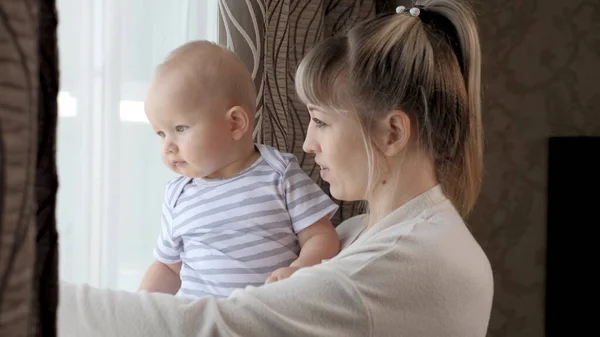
x,y
319,123
180,128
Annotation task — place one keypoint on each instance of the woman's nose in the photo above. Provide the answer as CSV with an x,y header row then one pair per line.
x,y
310,144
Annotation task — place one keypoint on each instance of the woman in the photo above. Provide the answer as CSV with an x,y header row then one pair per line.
x,y
395,108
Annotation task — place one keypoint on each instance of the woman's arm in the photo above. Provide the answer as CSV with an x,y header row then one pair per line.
x,y
315,301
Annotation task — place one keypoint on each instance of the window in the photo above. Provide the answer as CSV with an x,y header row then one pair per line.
x,y
111,177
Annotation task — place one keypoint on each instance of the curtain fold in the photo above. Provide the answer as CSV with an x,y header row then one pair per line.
x,y
271,37
45,300
28,182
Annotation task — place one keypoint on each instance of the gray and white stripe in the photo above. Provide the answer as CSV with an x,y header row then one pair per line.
x,y
231,233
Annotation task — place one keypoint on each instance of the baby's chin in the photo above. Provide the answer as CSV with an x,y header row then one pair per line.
x,y
189,172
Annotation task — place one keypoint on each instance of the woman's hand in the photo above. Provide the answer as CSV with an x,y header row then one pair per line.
x,y
281,274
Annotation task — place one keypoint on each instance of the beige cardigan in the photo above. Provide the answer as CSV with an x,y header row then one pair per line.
x,y
418,272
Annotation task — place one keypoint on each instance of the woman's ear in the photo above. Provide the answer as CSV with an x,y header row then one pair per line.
x,y
239,122
395,131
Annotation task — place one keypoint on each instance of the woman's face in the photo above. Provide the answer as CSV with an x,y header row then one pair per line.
x,y
337,142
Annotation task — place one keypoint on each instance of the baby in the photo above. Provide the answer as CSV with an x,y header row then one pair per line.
x,y
239,214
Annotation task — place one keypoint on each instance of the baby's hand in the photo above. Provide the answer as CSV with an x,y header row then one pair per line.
x,y
281,273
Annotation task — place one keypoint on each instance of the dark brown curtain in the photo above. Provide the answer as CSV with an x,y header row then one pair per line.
x,y
28,180
272,37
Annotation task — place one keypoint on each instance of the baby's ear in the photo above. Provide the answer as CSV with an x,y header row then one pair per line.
x,y
239,122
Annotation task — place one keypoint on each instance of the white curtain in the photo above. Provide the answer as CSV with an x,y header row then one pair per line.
x,y
111,177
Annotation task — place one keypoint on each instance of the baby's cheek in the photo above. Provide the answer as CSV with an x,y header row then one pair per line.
x,y
214,146
163,158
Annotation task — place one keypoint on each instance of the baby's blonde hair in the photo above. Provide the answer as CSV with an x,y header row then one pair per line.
x,y
428,66
217,69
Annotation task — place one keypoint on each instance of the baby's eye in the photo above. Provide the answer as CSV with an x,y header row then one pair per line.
x,y
161,134
319,122
180,128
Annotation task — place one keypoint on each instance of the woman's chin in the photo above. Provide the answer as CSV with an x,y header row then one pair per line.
x,y
337,193
344,195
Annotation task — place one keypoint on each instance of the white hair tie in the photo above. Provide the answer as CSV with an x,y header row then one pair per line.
x,y
413,11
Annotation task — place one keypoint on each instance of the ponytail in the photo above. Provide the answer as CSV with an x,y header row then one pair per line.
x,y
461,173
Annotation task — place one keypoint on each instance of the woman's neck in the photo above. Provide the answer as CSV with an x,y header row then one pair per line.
x,y
413,176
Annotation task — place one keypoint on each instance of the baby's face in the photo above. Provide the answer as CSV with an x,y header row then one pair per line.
x,y
194,137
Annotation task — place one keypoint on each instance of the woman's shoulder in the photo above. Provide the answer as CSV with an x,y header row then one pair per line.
x,y
440,239
429,268
433,239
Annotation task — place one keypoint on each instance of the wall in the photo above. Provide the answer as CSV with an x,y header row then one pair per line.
x,y
541,67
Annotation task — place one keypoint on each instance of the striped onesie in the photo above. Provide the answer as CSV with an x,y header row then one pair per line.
x,y
234,232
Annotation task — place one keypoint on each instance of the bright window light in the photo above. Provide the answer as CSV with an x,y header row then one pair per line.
x,y
132,111
67,104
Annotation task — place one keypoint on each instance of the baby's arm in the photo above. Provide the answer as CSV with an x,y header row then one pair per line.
x,y
318,241
162,278
163,274
310,210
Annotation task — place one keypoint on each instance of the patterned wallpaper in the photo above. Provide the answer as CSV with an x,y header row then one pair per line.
x,y
271,37
541,67
541,72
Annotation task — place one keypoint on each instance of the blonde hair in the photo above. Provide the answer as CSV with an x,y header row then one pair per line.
x,y
216,67
428,66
